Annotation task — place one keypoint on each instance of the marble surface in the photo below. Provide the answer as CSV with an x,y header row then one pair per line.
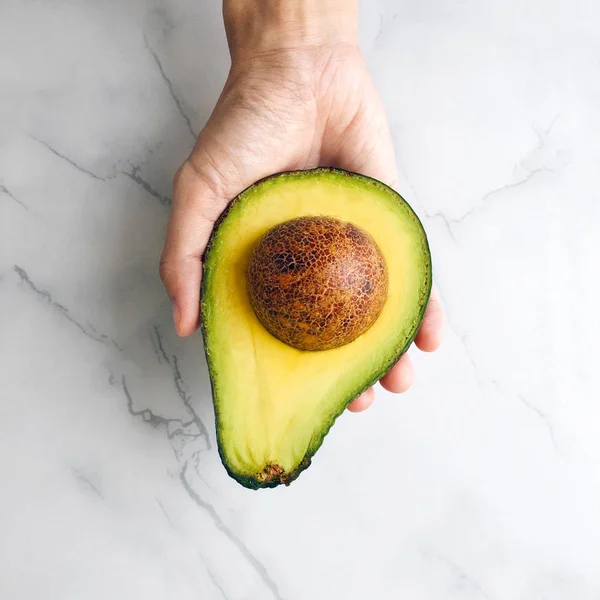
x,y
482,482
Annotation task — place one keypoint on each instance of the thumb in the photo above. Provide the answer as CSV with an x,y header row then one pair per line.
x,y
197,202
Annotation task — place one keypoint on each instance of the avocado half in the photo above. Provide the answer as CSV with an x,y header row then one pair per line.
x,y
275,404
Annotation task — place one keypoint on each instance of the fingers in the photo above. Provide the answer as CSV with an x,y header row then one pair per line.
x,y
365,144
376,159
400,377
397,380
431,331
187,235
363,401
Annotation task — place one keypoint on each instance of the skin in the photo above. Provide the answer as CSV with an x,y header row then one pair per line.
x,y
298,96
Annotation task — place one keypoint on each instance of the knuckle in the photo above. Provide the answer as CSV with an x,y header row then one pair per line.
x,y
201,185
165,270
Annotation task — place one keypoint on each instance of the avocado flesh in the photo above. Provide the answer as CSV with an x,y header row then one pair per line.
x,y
274,404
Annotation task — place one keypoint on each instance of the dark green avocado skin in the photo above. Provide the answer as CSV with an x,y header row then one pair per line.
x,y
257,482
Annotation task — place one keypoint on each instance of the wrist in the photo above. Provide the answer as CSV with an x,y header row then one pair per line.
x,y
256,27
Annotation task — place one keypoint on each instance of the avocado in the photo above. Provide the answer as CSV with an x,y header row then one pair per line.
x,y
314,285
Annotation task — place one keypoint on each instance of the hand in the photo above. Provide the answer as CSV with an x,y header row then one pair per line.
x,y
281,110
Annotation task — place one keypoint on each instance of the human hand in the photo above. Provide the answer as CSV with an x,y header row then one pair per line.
x,y
289,103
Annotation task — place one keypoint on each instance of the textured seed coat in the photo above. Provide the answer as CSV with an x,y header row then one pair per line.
x,y
317,283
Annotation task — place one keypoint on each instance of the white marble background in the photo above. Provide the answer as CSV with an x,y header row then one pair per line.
x,y
482,482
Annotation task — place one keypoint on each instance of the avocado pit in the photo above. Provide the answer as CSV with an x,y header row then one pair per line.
x,y
317,283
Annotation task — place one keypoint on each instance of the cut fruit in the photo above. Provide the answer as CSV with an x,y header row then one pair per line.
x,y
274,403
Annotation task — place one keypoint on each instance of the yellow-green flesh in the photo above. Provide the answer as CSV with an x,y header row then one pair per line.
x,y
274,403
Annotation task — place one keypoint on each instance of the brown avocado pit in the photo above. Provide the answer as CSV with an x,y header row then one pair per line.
x,y
317,283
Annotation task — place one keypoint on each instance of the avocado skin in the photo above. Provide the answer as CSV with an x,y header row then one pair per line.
x,y
256,482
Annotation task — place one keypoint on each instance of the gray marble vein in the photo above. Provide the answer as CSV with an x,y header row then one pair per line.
x,y
492,195
215,581
164,512
7,192
481,379
239,544
462,579
174,427
179,382
543,417
135,176
87,482
67,159
169,85
157,345
44,295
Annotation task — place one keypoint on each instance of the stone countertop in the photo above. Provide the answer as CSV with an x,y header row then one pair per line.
x,y
482,482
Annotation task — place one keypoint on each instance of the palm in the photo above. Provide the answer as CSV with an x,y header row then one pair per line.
x,y
272,123
271,119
